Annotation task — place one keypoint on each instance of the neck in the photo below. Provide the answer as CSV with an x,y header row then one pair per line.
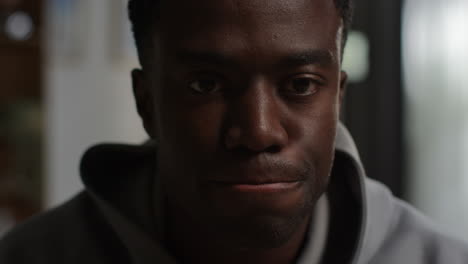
x,y
190,242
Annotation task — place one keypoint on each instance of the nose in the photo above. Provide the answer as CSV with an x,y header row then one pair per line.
x,y
255,121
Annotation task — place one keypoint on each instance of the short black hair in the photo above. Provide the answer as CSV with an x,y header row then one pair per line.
x,y
143,13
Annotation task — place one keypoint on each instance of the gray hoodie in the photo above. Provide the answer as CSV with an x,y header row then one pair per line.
x,y
119,218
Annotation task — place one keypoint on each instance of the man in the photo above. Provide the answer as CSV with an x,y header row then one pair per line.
x,y
247,162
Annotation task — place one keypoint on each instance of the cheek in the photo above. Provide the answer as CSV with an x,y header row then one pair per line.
x,y
315,132
319,138
192,131
188,142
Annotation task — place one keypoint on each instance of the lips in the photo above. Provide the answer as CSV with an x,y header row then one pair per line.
x,y
262,188
255,181
275,185
269,174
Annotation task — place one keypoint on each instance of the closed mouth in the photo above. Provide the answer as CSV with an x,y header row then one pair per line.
x,y
259,187
256,182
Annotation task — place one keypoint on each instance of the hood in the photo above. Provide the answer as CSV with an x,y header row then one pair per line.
x,y
109,171
375,201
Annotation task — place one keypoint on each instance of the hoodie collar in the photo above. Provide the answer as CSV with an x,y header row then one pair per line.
x,y
109,170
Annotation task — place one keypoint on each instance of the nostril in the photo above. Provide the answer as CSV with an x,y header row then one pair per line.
x,y
241,151
246,151
273,149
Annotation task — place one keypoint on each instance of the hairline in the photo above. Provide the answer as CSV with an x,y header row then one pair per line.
x,y
144,40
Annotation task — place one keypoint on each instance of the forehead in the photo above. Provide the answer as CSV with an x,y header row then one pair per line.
x,y
233,10
254,25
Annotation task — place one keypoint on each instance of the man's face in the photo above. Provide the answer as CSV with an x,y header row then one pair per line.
x,y
246,106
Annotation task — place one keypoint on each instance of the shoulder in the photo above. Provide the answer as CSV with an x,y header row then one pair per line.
x,y
411,237
438,245
60,235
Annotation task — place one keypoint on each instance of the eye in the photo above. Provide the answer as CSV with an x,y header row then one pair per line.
x,y
205,86
301,86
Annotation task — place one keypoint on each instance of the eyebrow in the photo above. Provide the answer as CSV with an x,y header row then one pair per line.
x,y
302,58
205,57
309,57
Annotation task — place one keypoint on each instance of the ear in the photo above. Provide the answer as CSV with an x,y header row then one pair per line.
x,y
144,101
343,85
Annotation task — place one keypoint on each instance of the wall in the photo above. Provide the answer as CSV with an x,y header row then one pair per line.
x,y
436,67
88,95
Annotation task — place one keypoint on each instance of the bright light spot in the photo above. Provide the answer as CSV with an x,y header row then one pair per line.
x,y
19,26
356,57
6,221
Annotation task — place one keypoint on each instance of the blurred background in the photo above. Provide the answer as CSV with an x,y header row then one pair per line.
x,y
65,85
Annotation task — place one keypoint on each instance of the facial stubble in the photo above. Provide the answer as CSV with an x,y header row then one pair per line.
x,y
263,229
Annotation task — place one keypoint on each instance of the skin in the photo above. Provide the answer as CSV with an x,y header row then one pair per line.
x,y
242,93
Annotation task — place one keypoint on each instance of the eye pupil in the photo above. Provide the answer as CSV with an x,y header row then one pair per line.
x,y
301,85
204,86
207,84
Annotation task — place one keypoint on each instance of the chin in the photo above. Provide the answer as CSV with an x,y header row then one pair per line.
x,y
264,233
260,225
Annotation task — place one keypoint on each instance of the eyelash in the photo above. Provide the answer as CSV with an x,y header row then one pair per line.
x,y
203,76
313,85
217,82
198,90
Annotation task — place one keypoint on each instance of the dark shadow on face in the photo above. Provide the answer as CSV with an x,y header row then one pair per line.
x,y
245,112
